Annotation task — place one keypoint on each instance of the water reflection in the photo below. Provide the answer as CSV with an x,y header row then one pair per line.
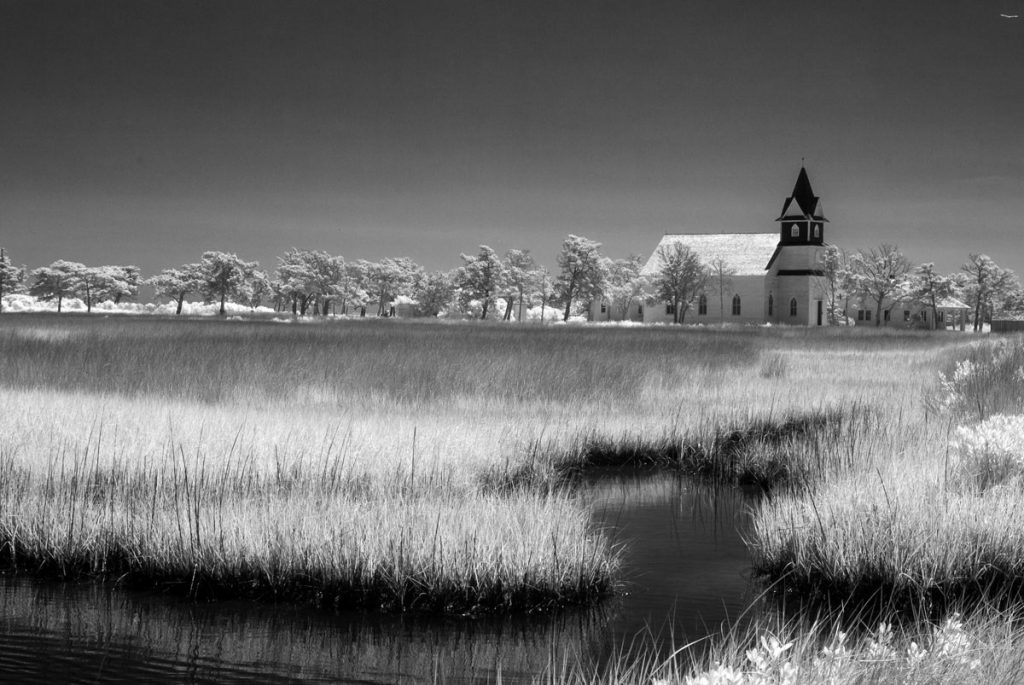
x,y
685,566
687,569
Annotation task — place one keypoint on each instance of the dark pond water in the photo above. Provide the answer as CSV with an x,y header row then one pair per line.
x,y
686,573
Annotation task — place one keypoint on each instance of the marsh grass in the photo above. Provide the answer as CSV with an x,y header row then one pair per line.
x,y
405,466
938,523
790,450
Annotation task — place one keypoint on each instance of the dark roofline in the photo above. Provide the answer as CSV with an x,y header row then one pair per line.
x,y
724,233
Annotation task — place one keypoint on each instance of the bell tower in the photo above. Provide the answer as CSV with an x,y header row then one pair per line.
x,y
794,293
802,220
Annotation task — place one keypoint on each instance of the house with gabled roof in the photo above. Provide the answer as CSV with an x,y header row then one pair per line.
x,y
773,277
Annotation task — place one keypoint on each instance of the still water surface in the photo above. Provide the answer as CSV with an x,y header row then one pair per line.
x,y
686,571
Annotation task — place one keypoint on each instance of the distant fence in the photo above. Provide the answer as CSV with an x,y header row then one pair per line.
x,y
1007,326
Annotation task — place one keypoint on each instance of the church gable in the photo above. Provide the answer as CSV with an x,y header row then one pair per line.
x,y
791,209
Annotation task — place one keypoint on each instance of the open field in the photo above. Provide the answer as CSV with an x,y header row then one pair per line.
x,y
423,466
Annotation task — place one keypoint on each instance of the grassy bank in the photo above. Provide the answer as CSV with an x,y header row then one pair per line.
x,y
937,522
403,465
985,648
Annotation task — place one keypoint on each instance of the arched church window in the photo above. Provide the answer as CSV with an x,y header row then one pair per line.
x,y
792,307
771,305
817,231
735,305
794,231
702,305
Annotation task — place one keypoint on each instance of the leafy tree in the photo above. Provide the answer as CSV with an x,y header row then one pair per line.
x,y
546,290
582,273
835,281
310,278
11,277
257,290
680,278
520,280
434,293
225,277
55,282
296,278
389,278
624,286
929,288
880,274
177,284
987,286
93,284
352,288
125,283
480,277
720,278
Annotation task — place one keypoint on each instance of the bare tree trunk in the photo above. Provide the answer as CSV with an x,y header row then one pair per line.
x,y
509,302
60,301
181,300
223,296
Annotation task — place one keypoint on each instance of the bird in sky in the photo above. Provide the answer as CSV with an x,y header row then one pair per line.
x,y
1010,16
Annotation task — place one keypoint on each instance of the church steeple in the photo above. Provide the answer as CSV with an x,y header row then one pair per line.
x,y
802,219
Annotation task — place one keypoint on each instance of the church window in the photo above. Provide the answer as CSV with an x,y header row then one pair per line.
x,y
604,308
906,315
792,307
702,305
735,305
771,305
794,231
670,308
640,308
817,231
860,315
867,315
886,313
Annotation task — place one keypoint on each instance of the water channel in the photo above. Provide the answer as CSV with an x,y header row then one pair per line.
x,y
686,572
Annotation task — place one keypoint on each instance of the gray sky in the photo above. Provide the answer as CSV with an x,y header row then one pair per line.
x,y
147,132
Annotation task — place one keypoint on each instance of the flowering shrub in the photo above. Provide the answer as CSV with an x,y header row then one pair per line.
x,y
990,452
772,663
989,381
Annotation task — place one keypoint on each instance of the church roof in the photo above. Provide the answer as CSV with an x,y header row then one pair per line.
x,y
803,202
747,254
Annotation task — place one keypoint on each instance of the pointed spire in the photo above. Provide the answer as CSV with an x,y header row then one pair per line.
x,y
802,202
802,191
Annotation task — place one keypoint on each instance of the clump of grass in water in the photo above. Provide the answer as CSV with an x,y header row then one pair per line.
x,y
794,449
208,531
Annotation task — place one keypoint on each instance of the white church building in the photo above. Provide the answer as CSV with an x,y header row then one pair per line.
x,y
774,277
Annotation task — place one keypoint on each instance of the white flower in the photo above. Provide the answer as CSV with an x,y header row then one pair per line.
x,y
915,654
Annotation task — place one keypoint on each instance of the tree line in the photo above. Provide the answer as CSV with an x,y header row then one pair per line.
x,y
314,282
885,278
